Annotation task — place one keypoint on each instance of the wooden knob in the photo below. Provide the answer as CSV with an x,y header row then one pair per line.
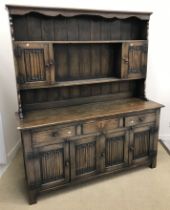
x,y
102,154
141,119
51,62
125,60
67,163
47,65
69,132
54,134
131,148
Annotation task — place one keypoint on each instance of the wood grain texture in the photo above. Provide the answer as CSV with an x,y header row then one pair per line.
x,y
78,28
53,97
22,10
84,112
81,84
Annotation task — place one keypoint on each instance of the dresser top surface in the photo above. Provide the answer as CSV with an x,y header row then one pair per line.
x,y
90,111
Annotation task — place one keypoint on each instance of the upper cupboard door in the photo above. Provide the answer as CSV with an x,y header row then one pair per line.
x,y
134,59
34,63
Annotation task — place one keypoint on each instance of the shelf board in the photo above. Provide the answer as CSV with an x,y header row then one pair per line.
x,y
75,83
90,111
81,42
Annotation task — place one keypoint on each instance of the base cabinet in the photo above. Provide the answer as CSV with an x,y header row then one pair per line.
x,y
54,161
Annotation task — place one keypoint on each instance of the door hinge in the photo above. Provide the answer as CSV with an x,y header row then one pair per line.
x,y
32,155
131,148
18,51
154,129
21,79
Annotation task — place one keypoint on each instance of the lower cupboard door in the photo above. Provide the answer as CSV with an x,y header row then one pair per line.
x,y
142,141
83,153
53,164
116,150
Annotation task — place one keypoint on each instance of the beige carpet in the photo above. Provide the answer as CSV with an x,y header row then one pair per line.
x,y
140,189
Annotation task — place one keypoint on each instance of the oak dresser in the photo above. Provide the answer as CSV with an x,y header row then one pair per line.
x,y
83,112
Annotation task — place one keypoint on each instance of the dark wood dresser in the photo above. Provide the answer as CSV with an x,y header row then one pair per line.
x,y
81,93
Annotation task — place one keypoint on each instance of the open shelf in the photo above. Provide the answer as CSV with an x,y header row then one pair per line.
x,y
76,83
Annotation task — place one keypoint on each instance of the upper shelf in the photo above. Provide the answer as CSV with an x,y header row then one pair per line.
x,y
23,10
81,42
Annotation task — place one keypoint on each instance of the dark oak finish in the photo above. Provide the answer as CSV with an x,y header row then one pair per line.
x,y
81,93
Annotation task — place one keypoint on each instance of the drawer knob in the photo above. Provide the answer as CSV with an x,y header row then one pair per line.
x,y
141,119
131,148
101,125
125,60
54,134
69,132
132,121
67,163
102,154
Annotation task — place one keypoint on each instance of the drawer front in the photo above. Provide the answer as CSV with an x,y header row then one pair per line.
x,y
141,118
52,135
105,125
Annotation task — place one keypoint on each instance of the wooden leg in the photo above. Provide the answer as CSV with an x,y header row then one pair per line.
x,y
32,196
153,164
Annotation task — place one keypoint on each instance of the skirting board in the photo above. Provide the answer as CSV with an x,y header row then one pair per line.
x,y
165,137
166,145
10,156
165,141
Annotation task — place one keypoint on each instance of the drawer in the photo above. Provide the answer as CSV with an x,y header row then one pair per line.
x,y
105,125
141,118
52,135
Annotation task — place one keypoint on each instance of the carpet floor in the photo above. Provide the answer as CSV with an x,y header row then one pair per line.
x,y
138,189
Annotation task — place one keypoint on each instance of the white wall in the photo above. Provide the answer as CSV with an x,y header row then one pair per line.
x,y
8,102
158,80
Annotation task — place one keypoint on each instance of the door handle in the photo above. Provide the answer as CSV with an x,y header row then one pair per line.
x,y
131,148
125,60
67,163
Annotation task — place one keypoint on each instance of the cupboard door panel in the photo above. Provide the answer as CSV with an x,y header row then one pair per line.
x,y
52,164
134,59
84,157
141,144
116,150
34,63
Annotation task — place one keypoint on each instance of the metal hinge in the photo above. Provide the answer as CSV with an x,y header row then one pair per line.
x,y
154,129
32,155
21,79
18,51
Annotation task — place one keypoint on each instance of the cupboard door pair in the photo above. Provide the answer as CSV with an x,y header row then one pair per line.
x,y
134,59
97,154
130,147
35,63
